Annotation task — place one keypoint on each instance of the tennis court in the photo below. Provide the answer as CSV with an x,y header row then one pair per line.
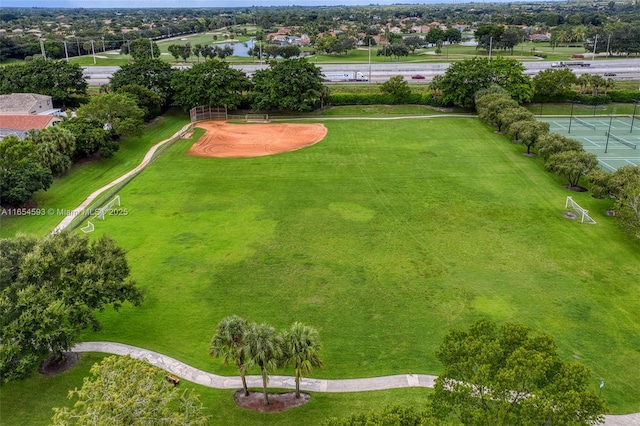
x,y
614,139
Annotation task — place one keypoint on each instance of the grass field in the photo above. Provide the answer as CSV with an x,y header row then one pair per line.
x,y
383,236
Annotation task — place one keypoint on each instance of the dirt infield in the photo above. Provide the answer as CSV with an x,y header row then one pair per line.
x,y
226,140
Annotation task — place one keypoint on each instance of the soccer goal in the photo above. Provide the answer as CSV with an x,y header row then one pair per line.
x,y
88,228
103,210
584,214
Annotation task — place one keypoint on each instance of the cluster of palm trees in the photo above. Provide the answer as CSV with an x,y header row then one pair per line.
x,y
568,35
594,83
251,344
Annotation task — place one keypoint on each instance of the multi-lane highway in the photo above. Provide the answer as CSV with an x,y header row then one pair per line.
x,y
624,69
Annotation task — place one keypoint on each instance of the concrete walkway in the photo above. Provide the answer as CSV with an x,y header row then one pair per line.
x,y
204,378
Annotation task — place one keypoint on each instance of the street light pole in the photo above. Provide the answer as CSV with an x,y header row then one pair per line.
x,y
595,43
633,116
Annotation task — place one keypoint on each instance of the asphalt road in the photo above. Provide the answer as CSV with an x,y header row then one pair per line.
x,y
624,69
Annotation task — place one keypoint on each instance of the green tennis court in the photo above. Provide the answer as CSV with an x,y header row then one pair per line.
x,y
614,139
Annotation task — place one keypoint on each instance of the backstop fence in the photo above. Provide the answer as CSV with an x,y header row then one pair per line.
x,y
202,113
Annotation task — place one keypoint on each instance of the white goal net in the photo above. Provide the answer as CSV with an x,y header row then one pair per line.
x,y
582,213
103,210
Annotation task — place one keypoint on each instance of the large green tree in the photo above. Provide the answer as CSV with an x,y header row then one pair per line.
x,y
123,391
463,79
290,84
571,165
115,111
532,133
142,49
264,348
21,171
61,80
510,375
91,138
624,186
210,83
155,75
301,348
554,82
228,343
51,291
553,143
397,87
146,99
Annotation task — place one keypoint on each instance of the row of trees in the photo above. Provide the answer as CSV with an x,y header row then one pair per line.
x,y
497,37
564,156
61,80
185,51
50,289
569,160
250,344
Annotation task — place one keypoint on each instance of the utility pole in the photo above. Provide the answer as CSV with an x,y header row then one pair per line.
x,y
595,43
44,54
66,52
608,44
490,45
103,49
93,50
369,61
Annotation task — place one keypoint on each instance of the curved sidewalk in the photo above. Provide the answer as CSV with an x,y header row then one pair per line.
x,y
204,378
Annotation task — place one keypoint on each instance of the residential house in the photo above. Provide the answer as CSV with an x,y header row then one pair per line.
x,y
21,112
20,124
27,103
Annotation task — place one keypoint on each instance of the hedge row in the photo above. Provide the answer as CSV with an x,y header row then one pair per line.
x,y
615,95
340,99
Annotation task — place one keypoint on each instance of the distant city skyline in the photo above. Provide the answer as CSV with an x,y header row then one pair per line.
x,y
142,4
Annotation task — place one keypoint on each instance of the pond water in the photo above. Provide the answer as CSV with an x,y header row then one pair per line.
x,y
240,48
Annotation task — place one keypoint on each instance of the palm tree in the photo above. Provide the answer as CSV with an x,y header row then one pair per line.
x,y
228,343
263,348
301,349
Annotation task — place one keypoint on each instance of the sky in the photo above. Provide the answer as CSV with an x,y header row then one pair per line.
x,y
205,3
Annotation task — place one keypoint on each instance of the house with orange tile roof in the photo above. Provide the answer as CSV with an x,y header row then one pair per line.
x,y
21,112
20,124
